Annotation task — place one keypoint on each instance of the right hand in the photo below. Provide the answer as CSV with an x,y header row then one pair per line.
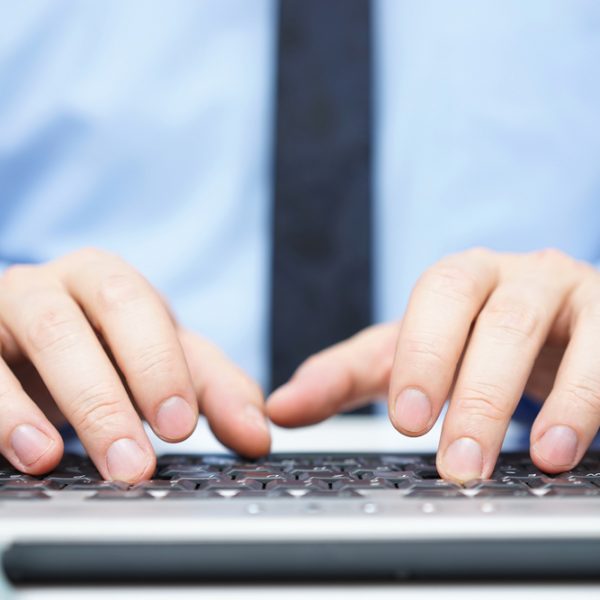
x,y
87,337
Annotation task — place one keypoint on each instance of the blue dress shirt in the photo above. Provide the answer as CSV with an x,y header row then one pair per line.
x,y
145,127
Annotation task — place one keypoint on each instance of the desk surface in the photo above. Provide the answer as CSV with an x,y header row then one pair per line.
x,y
358,434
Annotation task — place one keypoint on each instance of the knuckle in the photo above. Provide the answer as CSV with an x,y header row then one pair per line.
x,y
91,254
590,311
118,289
53,329
483,401
585,393
157,359
451,281
97,408
550,256
511,320
590,273
16,274
479,253
427,348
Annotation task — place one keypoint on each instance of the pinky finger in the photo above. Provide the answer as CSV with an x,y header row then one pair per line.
x,y
570,416
27,439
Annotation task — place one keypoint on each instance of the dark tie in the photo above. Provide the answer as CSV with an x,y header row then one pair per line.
x,y
321,274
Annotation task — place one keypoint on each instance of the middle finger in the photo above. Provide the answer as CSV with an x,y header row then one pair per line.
x,y
141,335
507,337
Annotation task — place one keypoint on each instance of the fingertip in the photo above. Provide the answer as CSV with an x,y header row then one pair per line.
x,y
148,473
411,413
256,448
556,450
35,450
129,461
461,461
280,406
293,406
246,431
545,466
175,420
317,390
257,427
259,444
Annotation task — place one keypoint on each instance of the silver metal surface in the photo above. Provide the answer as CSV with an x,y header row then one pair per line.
x,y
380,517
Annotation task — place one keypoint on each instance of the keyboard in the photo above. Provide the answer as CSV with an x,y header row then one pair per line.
x,y
202,477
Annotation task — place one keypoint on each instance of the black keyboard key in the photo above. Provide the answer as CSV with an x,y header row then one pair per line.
x,y
486,491
332,494
192,495
22,484
158,485
572,490
296,484
61,482
93,486
432,493
113,494
427,473
376,473
316,473
196,472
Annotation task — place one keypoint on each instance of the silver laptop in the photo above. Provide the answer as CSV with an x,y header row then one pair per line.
x,y
299,516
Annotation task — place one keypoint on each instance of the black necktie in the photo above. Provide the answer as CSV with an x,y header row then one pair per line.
x,y
321,278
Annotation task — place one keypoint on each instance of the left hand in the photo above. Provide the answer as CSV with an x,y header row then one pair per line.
x,y
481,328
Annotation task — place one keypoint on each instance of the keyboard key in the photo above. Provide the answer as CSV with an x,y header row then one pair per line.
x,y
416,492
114,494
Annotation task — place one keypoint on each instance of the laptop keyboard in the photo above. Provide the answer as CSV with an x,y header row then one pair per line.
x,y
196,477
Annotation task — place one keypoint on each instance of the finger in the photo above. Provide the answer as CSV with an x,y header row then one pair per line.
x,y
570,416
433,335
54,334
141,335
27,439
232,403
339,378
506,340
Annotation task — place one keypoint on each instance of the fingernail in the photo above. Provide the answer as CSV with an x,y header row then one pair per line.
x,y
558,446
255,416
413,410
29,444
463,460
175,418
125,460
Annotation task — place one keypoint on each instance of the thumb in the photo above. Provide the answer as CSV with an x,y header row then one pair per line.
x,y
342,377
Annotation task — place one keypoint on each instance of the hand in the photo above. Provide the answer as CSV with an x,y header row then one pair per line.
x,y
90,333
480,329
